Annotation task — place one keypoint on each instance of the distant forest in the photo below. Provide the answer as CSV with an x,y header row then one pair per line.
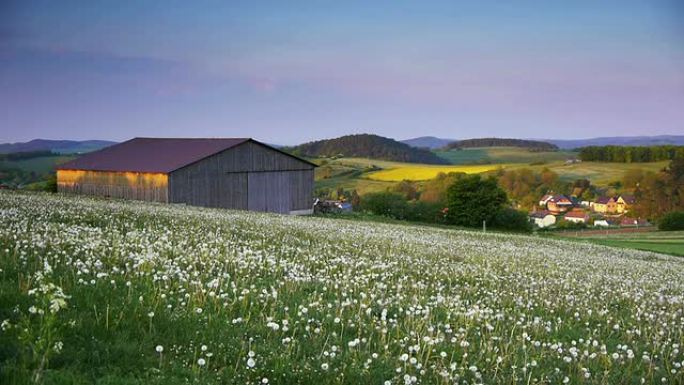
x,y
367,146
532,145
630,154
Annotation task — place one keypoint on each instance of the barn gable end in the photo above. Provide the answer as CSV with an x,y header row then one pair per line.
x,y
249,176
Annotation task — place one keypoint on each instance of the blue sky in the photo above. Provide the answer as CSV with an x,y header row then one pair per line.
x,y
287,72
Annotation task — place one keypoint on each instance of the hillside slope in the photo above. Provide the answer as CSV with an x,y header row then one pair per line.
x,y
161,294
367,146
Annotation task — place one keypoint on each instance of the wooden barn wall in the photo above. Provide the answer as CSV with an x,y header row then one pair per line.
x,y
249,176
127,185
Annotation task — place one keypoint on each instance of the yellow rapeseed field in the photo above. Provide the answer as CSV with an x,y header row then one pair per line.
x,y
425,172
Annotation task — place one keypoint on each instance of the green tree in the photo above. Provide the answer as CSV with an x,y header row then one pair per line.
x,y
472,199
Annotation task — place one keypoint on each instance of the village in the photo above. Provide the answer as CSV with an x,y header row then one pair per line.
x,y
561,211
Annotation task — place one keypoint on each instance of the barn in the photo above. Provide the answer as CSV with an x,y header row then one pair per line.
x,y
233,173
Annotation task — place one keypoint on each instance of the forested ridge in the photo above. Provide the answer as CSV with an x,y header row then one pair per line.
x,y
366,146
630,154
532,145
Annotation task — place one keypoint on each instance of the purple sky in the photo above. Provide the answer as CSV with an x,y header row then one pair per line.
x,y
288,72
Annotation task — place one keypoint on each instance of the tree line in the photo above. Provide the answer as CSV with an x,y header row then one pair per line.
x,y
630,154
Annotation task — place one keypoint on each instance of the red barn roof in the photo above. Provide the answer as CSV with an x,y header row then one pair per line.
x,y
161,155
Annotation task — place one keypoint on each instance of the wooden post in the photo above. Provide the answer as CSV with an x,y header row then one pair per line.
x,y
484,226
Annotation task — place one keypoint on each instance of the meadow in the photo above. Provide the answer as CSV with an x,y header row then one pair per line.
x,y
499,155
112,292
669,242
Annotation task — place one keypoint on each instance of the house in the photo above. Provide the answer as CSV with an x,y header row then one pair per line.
x,y
601,223
577,216
542,218
558,204
624,203
234,173
545,199
605,205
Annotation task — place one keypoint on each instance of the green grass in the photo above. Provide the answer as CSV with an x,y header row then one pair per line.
x,y
667,242
673,248
499,155
90,287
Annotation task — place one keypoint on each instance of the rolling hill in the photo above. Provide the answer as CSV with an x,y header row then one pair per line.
x,y
367,146
532,145
56,146
430,142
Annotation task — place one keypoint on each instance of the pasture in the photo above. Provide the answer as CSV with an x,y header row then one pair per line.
x,y
503,155
668,242
112,292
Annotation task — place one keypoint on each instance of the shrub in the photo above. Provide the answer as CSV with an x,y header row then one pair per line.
x,y
512,220
672,221
568,225
386,203
472,199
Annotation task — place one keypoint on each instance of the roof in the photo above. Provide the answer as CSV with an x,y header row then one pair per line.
x,y
156,155
576,214
603,200
629,199
540,214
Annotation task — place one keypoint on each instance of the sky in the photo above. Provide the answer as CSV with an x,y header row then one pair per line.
x,y
287,72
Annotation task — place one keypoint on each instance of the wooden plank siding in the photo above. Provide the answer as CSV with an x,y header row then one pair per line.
x,y
126,185
249,176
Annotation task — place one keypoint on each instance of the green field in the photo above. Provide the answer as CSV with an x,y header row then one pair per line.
x,y
40,165
499,155
96,291
667,242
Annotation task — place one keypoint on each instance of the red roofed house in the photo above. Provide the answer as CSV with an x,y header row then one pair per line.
x,y
558,204
577,216
235,173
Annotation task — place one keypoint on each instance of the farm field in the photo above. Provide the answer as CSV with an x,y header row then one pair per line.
x,y
369,175
499,155
668,242
425,172
119,292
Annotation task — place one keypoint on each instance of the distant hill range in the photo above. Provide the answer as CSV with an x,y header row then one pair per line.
x,y
434,143
56,146
367,146
534,145
430,142
620,141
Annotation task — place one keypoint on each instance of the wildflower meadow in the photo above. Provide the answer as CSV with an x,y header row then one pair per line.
x,y
112,292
